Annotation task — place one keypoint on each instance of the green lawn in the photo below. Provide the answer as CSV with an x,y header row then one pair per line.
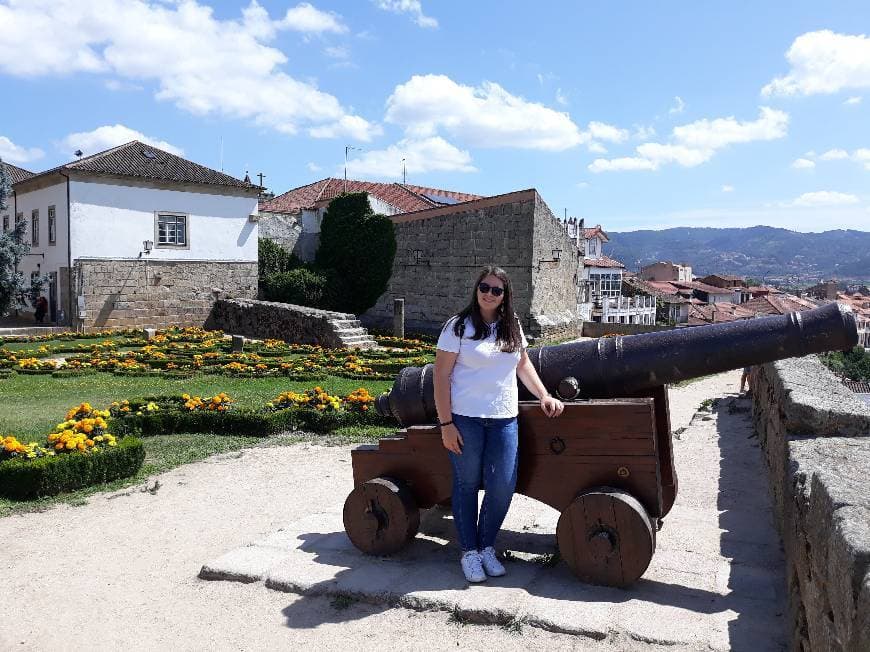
x,y
31,405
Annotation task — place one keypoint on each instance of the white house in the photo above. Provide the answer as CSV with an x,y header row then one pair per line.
x,y
137,236
601,297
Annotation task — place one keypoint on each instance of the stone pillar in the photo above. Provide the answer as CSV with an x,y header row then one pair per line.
x,y
399,318
238,343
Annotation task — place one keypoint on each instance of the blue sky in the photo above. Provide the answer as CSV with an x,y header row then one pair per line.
x,y
629,114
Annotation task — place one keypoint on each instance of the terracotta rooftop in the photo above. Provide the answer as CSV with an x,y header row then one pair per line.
x,y
603,261
653,288
701,287
143,161
778,305
406,198
715,313
15,173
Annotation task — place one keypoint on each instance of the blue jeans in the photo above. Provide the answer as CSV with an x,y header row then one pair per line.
x,y
488,461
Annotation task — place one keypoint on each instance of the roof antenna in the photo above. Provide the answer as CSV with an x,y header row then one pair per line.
x,y
222,153
78,153
404,173
347,148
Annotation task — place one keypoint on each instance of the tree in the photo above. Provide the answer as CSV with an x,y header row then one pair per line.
x,y
13,291
359,246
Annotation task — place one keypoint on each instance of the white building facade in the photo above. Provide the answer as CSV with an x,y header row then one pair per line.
x,y
136,236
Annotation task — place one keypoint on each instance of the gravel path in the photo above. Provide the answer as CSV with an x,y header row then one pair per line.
x,y
120,571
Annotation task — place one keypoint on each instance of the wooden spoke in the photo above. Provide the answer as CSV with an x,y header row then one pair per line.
x,y
606,537
380,516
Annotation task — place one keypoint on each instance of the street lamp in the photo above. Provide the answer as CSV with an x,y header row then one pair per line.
x,y
347,148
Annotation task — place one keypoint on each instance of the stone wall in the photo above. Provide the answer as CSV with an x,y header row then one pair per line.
x,y
139,293
287,231
816,437
440,251
280,321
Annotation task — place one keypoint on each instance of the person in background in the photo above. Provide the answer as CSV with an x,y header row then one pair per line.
x,y
41,309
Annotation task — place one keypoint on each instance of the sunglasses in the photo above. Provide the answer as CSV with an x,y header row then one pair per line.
x,y
486,287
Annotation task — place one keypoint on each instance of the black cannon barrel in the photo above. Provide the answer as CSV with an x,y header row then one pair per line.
x,y
619,366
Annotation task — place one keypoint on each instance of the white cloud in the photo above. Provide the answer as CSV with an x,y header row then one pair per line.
x,y
727,188
715,134
485,116
424,155
609,133
412,7
862,156
597,148
823,198
852,101
313,167
561,98
203,64
834,155
824,62
108,136
803,164
340,52
621,164
582,184
12,153
678,107
642,132
697,142
308,19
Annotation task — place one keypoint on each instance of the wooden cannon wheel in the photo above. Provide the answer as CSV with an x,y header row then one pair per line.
x,y
381,516
606,537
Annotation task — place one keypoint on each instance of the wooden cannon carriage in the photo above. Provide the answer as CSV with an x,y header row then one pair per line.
x,y
606,463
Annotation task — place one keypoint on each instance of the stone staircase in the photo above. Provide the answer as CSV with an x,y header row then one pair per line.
x,y
352,334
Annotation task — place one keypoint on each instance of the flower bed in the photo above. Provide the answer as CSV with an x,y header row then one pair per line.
x,y
313,410
80,451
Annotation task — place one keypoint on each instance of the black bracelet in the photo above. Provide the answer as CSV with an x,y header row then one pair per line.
x,y
446,423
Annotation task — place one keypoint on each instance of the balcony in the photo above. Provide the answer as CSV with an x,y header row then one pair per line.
x,y
629,310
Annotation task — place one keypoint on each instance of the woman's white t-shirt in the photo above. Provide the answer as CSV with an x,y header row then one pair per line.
x,y
484,378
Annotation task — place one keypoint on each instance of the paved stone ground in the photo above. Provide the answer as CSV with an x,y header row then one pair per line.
x,y
715,582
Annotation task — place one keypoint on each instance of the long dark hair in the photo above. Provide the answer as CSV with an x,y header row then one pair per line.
x,y
508,334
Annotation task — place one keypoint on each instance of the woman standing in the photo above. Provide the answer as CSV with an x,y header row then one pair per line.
x,y
480,353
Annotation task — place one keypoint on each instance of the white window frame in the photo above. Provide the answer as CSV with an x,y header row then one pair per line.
x,y
52,226
34,227
171,245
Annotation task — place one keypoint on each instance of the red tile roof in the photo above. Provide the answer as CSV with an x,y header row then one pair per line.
x,y
715,313
701,287
143,161
405,198
604,261
777,305
15,173
667,294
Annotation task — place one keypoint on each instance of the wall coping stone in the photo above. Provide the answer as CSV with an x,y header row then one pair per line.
x,y
816,437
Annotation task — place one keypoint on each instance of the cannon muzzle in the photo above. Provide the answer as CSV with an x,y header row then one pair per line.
x,y
622,366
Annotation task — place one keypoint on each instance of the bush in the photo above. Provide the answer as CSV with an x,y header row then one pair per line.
x,y
23,479
299,286
360,246
272,258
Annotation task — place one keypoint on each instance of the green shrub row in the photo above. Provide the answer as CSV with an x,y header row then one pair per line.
x,y
23,479
240,421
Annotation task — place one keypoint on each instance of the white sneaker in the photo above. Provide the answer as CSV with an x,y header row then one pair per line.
x,y
491,564
471,566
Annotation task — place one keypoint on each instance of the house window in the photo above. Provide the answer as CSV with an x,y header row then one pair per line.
x,y
52,226
5,223
34,226
606,284
171,230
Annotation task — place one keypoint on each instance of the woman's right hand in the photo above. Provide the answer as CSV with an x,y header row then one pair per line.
x,y
451,439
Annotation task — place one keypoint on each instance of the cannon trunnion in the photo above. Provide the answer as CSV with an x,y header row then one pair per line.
x,y
599,464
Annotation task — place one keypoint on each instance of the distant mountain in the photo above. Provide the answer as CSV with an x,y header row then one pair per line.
x,y
759,251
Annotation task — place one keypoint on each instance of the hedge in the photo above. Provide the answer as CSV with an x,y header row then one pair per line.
x,y
241,421
23,479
